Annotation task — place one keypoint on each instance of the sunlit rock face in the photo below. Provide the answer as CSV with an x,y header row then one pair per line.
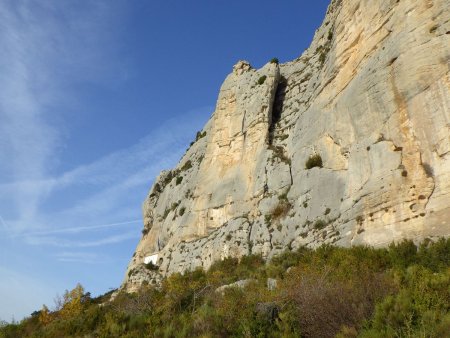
x,y
371,97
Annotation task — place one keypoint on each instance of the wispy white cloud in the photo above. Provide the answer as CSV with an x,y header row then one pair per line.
x,y
64,243
43,44
82,228
80,257
106,181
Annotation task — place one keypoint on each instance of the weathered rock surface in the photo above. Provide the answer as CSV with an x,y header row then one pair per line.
x,y
240,284
371,96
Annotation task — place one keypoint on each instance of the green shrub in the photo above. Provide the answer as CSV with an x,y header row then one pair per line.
x,y
314,161
280,210
330,35
319,224
151,266
187,166
200,135
182,210
179,180
278,151
403,254
261,80
275,61
421,305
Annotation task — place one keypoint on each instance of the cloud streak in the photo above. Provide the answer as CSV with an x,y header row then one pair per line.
x,y
80,257
83,228
64,243
43,44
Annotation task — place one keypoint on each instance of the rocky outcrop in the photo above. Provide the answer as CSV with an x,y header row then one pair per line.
x,y
370,98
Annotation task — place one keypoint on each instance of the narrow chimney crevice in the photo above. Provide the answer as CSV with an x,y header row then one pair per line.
x,y
277,107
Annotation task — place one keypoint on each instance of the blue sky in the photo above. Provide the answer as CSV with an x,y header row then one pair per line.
x,y
96,98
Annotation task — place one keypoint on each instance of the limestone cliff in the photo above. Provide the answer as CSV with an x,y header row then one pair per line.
x,y
370,97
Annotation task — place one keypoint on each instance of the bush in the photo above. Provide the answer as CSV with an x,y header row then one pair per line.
x,y
322,304
151,266
200,135
179,180
275,61
262,79
421,305
187,166
403,254
182,210
319,224
314,161
281,210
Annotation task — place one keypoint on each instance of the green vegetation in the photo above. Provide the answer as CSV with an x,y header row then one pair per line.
x,y
179,180
324,50
319,224
314,161
262,79
281,210
275,60
200,135
182,210
151,266
278,152
187,165
399,291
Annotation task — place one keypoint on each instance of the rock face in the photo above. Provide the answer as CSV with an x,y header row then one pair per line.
x,y
370,97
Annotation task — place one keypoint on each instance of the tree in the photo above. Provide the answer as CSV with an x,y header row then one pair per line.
x,y
72,301
45,316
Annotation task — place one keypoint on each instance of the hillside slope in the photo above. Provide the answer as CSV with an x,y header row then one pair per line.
x,y
368,104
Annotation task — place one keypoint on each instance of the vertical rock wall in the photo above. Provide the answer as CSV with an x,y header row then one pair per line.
x,y
371,97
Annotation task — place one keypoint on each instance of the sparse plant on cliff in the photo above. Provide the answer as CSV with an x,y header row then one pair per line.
x,y
261,80
281,210
320,224
428,169
275,61
330,35
187,165
181,212
278,152
314,161
151,266
166,213
179,180
200,135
